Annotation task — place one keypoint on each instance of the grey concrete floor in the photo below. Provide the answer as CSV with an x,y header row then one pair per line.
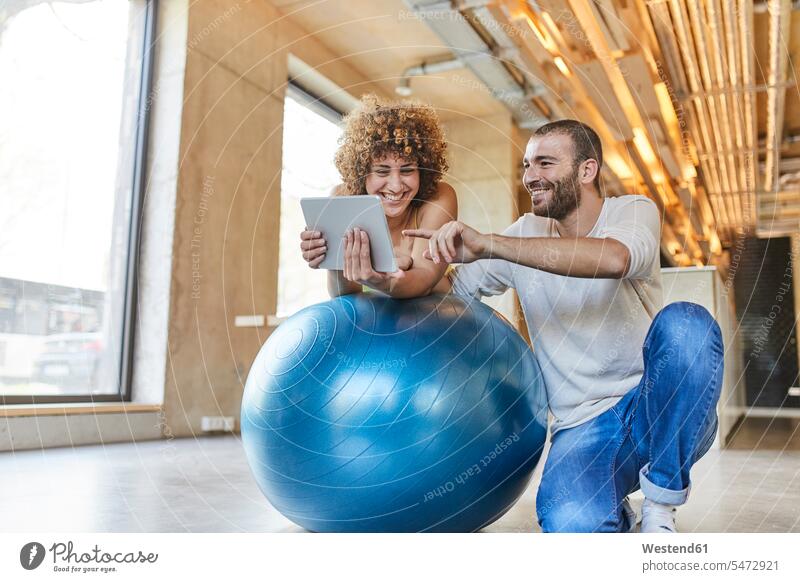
x,y
204,485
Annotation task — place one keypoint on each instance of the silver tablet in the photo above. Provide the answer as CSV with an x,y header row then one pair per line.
x,y
336,215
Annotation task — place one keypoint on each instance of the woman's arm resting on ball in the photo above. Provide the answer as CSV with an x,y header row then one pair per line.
x,y
338,285
424,274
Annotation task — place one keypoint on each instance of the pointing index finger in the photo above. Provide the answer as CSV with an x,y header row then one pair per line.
x,y
419,232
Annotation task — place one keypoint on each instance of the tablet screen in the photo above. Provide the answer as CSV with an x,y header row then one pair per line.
x,y
336,215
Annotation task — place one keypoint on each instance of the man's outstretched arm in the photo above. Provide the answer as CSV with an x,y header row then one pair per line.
x,y
601,258
597,258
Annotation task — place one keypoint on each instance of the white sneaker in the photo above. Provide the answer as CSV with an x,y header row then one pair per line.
x,y
658,518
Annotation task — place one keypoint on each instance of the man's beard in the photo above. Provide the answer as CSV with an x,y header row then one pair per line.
x,y
565,197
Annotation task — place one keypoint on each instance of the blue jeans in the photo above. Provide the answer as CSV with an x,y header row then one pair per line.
x,y
649,439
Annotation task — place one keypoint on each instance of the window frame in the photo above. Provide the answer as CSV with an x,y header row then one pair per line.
x,y
324,109
295,90
138,185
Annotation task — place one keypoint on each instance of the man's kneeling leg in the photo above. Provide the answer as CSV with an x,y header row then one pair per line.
x,y
589,470
676,420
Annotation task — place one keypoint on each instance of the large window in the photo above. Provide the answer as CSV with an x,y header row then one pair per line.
x,y
74,101
310,136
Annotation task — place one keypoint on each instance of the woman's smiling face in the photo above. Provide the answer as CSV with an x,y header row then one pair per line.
x,y
396,181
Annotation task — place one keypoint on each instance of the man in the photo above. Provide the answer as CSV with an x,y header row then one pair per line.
x,y
632,390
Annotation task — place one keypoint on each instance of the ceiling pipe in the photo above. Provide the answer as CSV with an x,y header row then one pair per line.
x,y
437,66
432,68
460,25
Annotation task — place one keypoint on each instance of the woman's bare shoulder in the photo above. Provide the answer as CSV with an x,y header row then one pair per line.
x,y
444,191
444,201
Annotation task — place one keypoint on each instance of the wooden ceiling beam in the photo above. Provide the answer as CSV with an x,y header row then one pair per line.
x,y
744,9
726,77
556,82
622,90
779,196
733,44
684,43
779,20
705,58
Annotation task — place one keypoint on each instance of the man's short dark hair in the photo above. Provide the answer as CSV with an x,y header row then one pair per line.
x,y
585,140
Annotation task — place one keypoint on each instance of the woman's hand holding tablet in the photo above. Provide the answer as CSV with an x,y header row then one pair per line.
x,y
358,261
325,239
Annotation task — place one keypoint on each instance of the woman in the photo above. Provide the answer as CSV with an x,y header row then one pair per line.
x,y
397,152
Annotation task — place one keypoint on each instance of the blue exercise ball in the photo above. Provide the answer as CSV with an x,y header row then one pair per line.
x,y
370,414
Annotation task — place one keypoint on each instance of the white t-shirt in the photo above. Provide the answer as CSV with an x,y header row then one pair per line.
x,y
587,334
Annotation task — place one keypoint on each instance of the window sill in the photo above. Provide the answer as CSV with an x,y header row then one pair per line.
x,y
18,410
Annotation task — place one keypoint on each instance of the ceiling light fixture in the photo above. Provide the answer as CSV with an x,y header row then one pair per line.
x,y
562,66
404,87
540,34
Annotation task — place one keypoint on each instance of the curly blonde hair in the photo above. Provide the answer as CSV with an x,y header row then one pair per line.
x,y
376,128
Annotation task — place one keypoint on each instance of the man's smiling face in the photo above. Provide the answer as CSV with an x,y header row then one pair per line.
x,y
551,175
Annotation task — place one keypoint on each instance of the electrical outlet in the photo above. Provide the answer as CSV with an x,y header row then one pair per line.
x,y
217,424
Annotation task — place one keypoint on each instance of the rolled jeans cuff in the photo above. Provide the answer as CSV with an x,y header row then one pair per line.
x,y
659,494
